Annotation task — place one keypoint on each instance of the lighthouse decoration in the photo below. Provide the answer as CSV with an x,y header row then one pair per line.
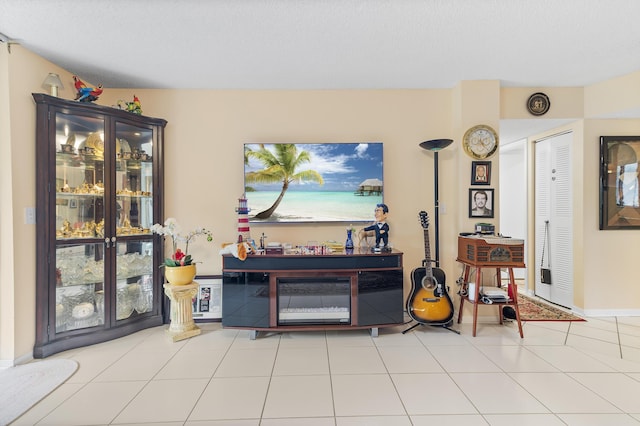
x,y
243,220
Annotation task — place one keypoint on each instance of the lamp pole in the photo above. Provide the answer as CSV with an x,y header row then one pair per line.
x,y
436,145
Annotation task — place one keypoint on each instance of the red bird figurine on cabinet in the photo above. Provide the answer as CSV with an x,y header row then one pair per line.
x,y
86,94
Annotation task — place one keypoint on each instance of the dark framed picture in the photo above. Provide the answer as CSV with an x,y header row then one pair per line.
x,y
207,303
481,173
619,194
73,203
481,203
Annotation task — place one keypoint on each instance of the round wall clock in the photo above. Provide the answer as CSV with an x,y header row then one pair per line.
x,y
480,142
538,104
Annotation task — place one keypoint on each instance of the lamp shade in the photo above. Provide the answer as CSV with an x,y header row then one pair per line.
x,y
436,144
53,82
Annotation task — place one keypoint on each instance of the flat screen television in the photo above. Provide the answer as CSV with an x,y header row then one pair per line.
x,y
313,182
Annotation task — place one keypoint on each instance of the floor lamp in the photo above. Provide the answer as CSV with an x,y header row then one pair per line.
x,y
436,145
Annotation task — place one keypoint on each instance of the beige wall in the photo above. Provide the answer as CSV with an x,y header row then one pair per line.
x,y
22,73
566,102
616,96
611,278
203,170
7,309
206,131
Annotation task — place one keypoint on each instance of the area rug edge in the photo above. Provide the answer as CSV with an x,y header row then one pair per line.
x,y
552,310
28,384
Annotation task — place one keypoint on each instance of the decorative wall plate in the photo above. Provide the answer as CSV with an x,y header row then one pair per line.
x,y
95,141
480,142
538,104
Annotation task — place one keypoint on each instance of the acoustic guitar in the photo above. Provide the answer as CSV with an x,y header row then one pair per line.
x,y
429,302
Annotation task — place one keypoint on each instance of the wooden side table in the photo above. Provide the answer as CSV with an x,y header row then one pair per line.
x,y
182,325
497,253
512,290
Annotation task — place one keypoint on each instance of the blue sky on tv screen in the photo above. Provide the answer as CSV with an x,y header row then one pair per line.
x,y
343,166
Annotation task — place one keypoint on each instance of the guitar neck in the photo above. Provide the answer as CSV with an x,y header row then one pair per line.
x,y
427,255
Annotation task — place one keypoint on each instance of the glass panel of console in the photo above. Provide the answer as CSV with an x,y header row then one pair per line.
x,y
314,300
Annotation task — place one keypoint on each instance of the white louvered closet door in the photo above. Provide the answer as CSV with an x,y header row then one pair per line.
x,y
553,202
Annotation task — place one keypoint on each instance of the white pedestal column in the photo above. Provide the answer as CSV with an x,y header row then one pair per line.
x,y
182,325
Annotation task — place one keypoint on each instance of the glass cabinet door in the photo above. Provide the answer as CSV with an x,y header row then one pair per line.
x,y
79,177
134,217
134,180
79,222
82,206
79,286
134,278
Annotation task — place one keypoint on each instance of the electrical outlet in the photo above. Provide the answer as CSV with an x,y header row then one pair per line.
x,y
30,215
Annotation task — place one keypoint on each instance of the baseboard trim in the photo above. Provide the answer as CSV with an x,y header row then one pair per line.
x,y
8,363
609,312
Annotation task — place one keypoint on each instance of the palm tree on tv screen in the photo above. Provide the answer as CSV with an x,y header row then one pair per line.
x,y
280,166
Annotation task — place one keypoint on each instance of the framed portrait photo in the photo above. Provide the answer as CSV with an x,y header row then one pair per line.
x,y
481,203
481,173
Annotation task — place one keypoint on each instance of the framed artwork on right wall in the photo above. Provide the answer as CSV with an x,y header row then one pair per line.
x,y
619,192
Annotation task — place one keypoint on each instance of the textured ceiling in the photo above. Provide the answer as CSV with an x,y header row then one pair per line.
x,y
330,44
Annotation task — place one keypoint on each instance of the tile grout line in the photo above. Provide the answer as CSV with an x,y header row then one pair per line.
x,y
618,334
204,389
393,383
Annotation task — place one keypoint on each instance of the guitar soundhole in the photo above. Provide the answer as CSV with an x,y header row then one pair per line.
x,y
428,284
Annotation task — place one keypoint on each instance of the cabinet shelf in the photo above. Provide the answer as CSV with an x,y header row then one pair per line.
x,y
61,240
76,160
78,195
100,193
138,196
131,163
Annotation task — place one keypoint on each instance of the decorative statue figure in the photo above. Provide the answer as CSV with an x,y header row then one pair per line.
x,y
380,228
85,93
134,107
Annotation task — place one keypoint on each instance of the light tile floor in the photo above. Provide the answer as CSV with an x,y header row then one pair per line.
x,y
561,373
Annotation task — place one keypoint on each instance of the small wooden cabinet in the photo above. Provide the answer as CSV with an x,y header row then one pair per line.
x,y
99,180
300,292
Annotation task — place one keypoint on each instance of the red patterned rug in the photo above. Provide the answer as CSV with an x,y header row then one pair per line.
x,y
536,310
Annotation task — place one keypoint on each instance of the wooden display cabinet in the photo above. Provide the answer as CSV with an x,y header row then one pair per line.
x,y
99,180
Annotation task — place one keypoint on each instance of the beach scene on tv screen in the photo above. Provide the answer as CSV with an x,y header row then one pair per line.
x,y
313,182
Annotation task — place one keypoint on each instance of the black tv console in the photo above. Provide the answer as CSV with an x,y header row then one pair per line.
x,y
310,292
